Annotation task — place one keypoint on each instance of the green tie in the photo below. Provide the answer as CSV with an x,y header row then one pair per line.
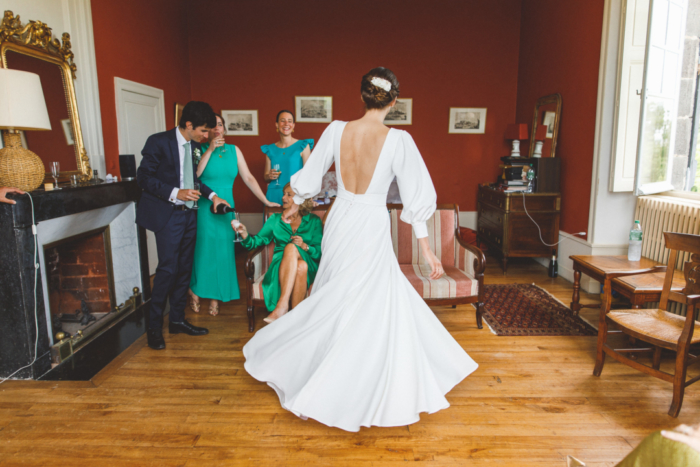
x,y
188,176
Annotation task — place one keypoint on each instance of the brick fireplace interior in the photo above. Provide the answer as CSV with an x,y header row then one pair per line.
x,y
79,271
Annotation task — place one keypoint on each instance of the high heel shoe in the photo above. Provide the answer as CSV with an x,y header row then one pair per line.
x,y
214,308
194,302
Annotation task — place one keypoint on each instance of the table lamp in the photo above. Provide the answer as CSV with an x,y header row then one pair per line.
x,y
22,107
516,132
540,135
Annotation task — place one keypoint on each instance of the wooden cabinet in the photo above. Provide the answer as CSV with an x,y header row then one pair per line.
x,y
503,223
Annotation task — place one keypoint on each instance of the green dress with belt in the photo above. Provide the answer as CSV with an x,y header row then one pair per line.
x,y
214,270
276,230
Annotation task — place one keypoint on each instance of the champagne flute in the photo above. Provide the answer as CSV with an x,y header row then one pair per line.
x,y
236,222
55,172
197,186
276,168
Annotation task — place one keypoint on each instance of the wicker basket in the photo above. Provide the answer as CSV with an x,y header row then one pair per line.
x,y
19,167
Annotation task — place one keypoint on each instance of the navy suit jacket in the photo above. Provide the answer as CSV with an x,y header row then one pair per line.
x,y
157,175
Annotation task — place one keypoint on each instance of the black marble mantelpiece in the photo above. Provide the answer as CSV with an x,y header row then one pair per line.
x,y
17,274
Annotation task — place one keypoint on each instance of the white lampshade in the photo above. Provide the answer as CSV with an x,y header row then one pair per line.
x,y
22,104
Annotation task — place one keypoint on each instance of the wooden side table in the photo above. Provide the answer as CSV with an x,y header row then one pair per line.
x,y
637,289
504,225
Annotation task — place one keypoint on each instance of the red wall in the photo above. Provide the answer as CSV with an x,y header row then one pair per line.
x,y
50,146
560,52
142,41
452,53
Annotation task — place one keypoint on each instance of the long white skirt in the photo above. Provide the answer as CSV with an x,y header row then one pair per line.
x,y
364,349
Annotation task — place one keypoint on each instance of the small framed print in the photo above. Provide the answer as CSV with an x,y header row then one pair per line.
x,y
241,122
467,120
548,121
401,113
314,109
68,131
178,112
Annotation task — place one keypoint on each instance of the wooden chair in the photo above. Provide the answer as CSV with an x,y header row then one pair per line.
x,y
464,264
258,261
658,327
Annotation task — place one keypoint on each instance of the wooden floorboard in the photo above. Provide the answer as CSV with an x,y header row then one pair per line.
x,y
532,402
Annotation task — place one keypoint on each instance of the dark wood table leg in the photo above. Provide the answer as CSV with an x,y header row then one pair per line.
x,y
575,306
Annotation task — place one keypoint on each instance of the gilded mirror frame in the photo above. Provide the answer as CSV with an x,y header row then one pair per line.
x,y
34,40
542,101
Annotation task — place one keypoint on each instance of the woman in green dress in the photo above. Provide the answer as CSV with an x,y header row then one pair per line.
x,y
297,255
213,272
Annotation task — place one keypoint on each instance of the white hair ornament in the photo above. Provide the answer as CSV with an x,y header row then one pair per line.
x,y
381,83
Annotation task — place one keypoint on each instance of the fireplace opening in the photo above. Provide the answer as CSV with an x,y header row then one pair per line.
x,y
80,283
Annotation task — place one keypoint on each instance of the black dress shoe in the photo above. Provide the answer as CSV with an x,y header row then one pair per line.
x,y
187,328
155,339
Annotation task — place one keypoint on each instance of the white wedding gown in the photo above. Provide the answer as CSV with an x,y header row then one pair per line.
x,y
363,349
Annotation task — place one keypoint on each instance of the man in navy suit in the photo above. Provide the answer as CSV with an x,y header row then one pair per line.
x,y
168,175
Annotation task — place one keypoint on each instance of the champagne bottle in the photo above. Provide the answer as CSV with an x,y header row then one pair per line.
x,y
221,209
553,269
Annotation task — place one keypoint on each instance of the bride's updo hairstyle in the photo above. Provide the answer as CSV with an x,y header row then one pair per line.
x,y
375,96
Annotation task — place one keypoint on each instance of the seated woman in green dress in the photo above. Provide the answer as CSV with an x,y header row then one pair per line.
x,y
285,157
296,257
213,271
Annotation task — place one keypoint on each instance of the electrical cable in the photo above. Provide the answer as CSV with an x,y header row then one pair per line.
x,y
36,273
540,230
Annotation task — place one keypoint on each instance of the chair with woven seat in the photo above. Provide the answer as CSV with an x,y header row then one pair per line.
x,y
658,327
464,264
258,262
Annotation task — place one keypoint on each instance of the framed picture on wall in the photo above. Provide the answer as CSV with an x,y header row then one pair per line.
x,y
317,109
548,121
178,112
241,122
401,113
68,131
467,120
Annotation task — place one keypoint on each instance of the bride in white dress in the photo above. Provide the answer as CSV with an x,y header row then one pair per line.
x,y
363,349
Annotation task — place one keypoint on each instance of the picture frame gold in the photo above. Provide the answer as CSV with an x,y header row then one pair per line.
x,y
178,112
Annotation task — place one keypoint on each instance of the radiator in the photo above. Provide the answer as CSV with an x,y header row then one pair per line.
x,y
659,214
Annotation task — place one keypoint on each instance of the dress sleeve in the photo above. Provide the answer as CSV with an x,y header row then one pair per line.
x,y
264,237
265,148
415,185
309,143
307,182
314,238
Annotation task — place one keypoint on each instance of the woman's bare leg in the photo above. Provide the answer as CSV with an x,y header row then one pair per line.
x,y
287,272
299,291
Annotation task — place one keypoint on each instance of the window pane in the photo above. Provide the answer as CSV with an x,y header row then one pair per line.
x,y
657,140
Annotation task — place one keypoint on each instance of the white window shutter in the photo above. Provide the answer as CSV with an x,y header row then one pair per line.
x,y
662,72
629,88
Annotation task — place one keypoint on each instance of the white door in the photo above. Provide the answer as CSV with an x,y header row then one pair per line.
x,y
140,113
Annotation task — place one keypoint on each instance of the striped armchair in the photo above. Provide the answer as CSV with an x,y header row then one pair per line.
x,y
464,264
257,264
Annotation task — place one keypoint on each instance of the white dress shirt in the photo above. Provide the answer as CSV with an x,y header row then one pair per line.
x,y
181,141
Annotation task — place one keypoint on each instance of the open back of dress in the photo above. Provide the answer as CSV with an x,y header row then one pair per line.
x,y
364,349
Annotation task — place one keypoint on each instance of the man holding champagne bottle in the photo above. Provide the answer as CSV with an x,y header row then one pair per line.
x,y
167,175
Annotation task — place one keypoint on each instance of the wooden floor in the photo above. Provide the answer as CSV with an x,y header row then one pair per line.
x,y
532,402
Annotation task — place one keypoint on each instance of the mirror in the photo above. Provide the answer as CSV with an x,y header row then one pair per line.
x,y
547,114
32,48
58,144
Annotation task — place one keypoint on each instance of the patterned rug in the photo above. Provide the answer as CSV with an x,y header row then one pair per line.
x,y
528,310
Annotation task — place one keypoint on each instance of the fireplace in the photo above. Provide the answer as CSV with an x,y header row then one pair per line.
x,y
92,286
80,282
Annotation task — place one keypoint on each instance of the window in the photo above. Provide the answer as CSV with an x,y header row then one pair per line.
x,y
655,107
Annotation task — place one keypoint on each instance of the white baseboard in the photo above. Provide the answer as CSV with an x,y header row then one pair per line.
x,y
468,219
253,221
571,245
